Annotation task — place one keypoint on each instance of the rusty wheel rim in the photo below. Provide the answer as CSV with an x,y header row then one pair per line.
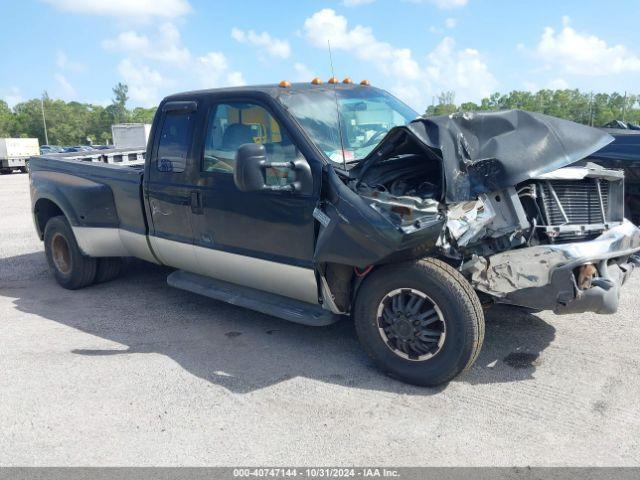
x,y
60,254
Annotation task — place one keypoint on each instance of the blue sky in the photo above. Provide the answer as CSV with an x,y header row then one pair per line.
x,y
78,49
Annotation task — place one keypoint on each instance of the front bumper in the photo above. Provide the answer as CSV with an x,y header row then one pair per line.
x,y
544,277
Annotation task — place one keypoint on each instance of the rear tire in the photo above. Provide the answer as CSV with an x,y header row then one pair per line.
x,y
71,269
420,322
108,268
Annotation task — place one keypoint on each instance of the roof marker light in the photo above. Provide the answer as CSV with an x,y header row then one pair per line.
x,y
333,80
316,81
284,84
347,80
365,83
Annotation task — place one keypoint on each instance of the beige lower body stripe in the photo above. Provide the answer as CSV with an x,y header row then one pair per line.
x,y
274,277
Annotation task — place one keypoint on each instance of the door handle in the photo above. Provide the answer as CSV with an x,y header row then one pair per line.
x,y
197,206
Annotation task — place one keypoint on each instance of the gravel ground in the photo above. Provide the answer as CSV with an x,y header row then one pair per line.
x,y
133,372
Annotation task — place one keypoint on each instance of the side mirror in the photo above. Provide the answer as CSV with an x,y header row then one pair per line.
x,y
247,174
250,170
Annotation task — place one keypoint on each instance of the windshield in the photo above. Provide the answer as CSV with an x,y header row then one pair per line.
x,y
366,115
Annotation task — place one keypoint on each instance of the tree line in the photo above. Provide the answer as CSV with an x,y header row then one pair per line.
x,y
76,123
70,123
590,109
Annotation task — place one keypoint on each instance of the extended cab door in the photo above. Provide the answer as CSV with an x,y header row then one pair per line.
x,y
169,185
263,240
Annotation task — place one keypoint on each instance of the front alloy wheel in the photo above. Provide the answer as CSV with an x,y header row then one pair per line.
x,y
411,324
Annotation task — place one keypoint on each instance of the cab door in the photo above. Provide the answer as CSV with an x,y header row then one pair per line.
x,y
263,240
169,185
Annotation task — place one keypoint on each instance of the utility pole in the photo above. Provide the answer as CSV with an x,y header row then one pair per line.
x,y
591,109
44,121
624,105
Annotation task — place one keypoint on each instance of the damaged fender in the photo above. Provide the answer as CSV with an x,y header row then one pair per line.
x,y
355,230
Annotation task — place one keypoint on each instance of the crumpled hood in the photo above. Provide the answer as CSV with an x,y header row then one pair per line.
x,y
485,152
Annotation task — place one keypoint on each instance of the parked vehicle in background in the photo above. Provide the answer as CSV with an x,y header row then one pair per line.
x,y
15,153
619,124
624,153
130,135
44,149
78,148
317,202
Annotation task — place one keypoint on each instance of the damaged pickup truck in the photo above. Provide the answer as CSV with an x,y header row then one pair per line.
x,y
315,202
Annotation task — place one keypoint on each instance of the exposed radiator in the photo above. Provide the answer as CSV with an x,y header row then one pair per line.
x,y
575,202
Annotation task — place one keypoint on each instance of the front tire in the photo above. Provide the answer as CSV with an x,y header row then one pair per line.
x,y
421,322
71,269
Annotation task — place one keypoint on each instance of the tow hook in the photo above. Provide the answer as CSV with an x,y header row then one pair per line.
x,y
586,275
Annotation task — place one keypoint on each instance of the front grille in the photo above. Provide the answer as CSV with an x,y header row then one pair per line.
x,y
575,202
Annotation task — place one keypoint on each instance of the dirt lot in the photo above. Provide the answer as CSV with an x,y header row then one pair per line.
x,y
133,372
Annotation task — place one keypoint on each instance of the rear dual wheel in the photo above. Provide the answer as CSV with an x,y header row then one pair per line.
x,y
421,322
70,267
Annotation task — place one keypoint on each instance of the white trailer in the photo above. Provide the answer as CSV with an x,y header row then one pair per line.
x,y
130,135
15,153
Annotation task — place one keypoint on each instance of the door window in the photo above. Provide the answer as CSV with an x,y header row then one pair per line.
x,y
175,140
231,125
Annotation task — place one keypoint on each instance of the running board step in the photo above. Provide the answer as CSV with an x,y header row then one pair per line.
x,y
263,302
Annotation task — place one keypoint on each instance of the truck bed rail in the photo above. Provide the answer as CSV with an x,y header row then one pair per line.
x,y
116,156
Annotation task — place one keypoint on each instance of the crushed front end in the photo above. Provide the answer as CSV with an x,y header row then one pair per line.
x,y
495,196
578,249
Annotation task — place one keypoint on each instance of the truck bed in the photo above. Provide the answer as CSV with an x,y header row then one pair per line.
x,y
91,194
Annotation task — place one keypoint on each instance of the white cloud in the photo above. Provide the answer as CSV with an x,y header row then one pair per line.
x,y
125,8
445,68
150,62
63,62
449,23
127,41
356,3
65,89
443,4
271,46
144,83
147,85
463,71
558,84
166,47
235,79
584,54
326,24
303,73
13,96
213,71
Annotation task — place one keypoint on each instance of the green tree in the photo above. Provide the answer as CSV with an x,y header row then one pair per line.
x,y
142,115
6,119
597,110
445,106
118,107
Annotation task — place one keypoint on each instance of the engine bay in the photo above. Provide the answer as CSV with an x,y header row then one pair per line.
x,y
569,204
